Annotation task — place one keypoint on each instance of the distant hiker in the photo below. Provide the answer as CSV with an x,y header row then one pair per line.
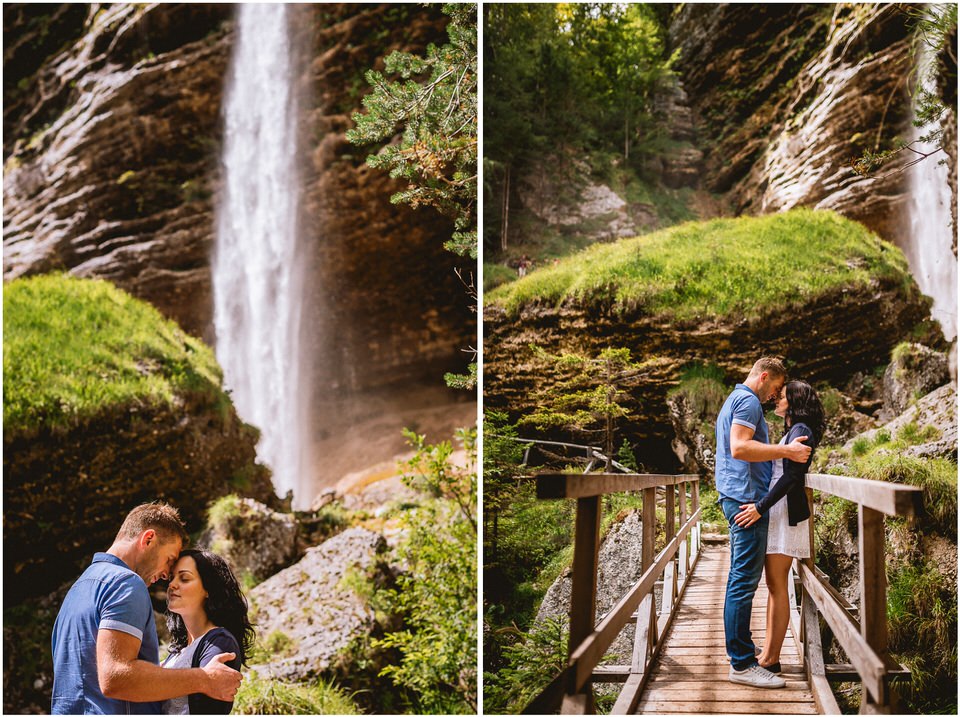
x,y
524,266
105,646
743,470
206,616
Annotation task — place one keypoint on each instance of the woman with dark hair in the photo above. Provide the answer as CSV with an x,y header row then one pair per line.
x,y
206,616
788,533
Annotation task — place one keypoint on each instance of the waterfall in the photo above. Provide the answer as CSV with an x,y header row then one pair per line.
x,y
929,243
258,263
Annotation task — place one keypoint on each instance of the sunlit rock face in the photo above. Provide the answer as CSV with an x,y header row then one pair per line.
x,y
788,96
112,148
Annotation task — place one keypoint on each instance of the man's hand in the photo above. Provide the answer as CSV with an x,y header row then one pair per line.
x,y
747,516
224,680
796,451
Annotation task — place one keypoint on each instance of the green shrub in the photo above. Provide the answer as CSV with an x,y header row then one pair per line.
x,y
437,595
258,696
922,615
860,446
531,661
495,275
936,476
73,348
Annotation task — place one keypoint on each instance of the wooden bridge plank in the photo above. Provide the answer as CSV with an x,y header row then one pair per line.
x,y
732,707
690,675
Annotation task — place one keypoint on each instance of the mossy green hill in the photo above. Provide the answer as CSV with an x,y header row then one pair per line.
x,y
74,348
107,404
717,268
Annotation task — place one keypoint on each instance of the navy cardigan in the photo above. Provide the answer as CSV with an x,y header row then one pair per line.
x,y
213,643
791,484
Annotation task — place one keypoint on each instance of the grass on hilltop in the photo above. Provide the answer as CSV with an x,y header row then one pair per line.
x,y
742,266
73,348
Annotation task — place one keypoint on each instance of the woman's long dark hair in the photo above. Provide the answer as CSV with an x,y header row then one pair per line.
x,y
803,406
225,604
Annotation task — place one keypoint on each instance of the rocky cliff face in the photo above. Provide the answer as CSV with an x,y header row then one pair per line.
x,y
112,119
788,96
832,350
66,495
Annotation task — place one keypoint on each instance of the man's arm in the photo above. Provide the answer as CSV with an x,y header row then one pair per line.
x,y
744,448
123,677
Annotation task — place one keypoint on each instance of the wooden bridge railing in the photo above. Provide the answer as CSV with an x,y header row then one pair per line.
x,y
571,691
861,633
864,640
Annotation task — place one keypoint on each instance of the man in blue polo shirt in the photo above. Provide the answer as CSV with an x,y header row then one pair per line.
x,y
743,469
105,647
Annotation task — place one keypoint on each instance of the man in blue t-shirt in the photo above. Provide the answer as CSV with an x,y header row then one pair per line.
x,y
105,647
743,469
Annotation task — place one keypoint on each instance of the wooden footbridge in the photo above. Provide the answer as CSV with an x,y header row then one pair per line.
x,y
679,662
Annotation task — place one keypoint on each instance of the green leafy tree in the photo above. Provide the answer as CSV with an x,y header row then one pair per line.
x,y
587,396
437,116
502,458
437,120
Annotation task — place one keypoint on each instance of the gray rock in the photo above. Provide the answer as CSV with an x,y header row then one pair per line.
x,y
937,409
252,538
913,372
695,449
618,570
311,605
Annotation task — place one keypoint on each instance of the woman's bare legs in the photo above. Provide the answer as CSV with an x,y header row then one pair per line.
x,y
776,571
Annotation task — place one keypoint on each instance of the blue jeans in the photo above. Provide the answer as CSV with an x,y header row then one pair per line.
x,y
748,548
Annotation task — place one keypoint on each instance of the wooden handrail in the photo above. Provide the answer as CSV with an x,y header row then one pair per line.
x,y
577,485
888,498
589,641
588,653
864,640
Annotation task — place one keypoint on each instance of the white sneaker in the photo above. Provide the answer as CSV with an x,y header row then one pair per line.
x,y
756,676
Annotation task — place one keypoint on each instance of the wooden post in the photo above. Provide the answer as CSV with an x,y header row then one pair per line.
x,y
583,593
873,598
810,562
695,499
683,561
649,528
670,572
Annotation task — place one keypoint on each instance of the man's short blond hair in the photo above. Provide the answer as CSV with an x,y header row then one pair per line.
x,y
161,517
771,365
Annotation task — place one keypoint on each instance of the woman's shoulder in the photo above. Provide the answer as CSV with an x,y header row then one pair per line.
x,y
221,636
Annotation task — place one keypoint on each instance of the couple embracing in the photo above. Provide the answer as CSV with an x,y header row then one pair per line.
x,y
762,496
105,646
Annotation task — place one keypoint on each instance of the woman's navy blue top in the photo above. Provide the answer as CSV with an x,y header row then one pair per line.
x,y
791,484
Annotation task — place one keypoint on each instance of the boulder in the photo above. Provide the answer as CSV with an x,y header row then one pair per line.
x,y
309,613
937,409
254,539
844,421
618,570
572,201
914,371
693,447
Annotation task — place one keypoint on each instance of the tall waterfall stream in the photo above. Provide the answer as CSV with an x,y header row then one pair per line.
x,y
258,267
928,248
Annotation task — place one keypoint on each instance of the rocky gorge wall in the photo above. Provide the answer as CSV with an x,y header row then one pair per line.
x,y
112,130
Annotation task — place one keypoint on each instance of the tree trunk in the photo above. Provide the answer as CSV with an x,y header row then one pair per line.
x,y
505,209
626,136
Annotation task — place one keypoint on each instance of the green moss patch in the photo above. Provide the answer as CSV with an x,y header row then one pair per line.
x,y
74,348
745,266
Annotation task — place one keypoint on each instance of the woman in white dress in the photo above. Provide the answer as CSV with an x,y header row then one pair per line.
x,y
788,534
